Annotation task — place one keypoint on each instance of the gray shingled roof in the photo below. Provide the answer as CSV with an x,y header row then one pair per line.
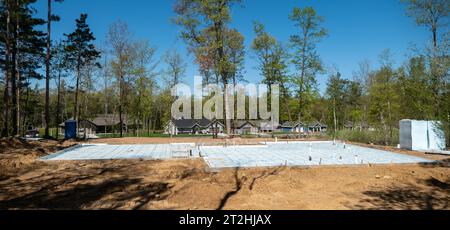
x,y
105,120
189,123
317,124
255,123
289,124
240,123
109,119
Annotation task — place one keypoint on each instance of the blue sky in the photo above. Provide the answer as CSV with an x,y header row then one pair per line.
x,y
358,29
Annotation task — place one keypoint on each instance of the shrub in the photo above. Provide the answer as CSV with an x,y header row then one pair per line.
x,y
365,136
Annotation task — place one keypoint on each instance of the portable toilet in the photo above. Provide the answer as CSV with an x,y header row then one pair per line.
x,y
70,129
421,135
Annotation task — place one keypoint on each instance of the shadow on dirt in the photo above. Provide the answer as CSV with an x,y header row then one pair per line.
x,y
74,189
111,194
238,181
445,163
264,175
429,194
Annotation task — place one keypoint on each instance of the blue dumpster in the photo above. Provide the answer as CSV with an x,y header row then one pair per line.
x,y
70,129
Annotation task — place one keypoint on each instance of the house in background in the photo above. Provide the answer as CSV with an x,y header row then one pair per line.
x,y
193,126
101,123
242,127
266,126
255,127
205,126
317,127
298,127
292,127
216,127
108,123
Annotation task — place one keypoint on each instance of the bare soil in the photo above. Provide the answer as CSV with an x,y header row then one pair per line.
x,y
27,183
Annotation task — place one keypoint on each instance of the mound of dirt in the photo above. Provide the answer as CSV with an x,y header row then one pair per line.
x,y
17,152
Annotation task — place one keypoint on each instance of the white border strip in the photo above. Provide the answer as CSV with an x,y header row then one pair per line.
x,y
53,155
232,146
295,142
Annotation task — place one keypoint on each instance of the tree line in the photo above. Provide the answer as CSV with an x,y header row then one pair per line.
x,y
124,76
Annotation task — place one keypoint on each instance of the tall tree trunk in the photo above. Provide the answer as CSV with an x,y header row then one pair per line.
x,y
390,121
148,125
75,107
286,102
27,98
106,89
65,114
234,118
5,114
383,122
334,118
389,118
288,109
302,82
218,27
227,108
121,105
434,31
58,105
47,71
14,72
17,64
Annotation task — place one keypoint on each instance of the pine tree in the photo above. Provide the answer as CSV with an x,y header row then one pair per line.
x,y
50,18
23,44
81,52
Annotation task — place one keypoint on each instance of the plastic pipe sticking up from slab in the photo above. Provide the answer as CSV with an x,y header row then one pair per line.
x,y
310,151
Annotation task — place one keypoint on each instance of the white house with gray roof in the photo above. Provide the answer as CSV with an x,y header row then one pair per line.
x,y
193,126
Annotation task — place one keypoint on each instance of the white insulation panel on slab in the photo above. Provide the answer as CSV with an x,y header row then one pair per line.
x,y
103,152
301,154
421,135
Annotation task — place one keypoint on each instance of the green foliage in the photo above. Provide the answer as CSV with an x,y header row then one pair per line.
x,y
365,136
22,45
80,49
217,48
176,68
305,57
273,66
415,96
271,57
430,13
82,55
344,101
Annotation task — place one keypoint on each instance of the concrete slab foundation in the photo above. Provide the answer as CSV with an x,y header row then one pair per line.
x,y
301,154
103,152
270,154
